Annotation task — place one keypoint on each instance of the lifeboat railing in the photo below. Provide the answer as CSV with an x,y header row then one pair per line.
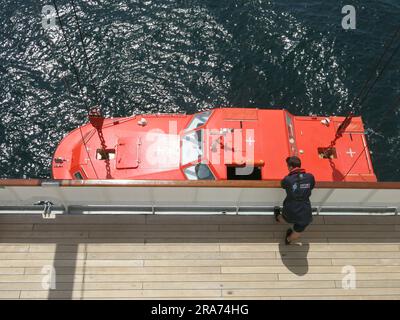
x,y
52,197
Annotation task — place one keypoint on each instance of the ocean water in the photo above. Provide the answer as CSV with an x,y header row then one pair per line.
x,y
187,56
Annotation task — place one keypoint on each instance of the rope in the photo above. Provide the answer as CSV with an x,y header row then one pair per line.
x,y
378,76
76,72
388,44
396,104
355,162
98,129
85,53
75,69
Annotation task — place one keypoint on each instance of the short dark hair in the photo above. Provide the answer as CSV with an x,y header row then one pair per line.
x,y
293,162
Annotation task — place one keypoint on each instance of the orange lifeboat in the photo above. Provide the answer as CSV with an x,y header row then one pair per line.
x,y
219,144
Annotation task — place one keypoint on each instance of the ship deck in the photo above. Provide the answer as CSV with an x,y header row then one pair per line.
x,y
197,257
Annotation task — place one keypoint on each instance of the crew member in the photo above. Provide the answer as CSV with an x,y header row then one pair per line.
x,y
296,206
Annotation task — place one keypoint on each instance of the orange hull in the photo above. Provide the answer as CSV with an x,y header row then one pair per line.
x,y
220,144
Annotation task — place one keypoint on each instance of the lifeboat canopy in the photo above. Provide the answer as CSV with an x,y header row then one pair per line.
x,y
219,144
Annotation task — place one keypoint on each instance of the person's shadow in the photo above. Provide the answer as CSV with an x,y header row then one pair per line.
x,y
294,257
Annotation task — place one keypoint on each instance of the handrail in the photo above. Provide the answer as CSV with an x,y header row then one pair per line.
x,y
191,183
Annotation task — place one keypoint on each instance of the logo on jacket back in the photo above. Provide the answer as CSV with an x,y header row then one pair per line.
x,y
300,185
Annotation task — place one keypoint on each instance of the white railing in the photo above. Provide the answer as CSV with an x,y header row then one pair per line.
x,y
191,198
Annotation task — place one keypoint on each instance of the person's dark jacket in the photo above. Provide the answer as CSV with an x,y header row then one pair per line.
x,y
297,206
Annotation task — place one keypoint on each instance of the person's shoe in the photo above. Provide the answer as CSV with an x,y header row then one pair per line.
x,y
288,233
277,213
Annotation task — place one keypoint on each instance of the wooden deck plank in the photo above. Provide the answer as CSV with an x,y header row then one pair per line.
x,y
199,285
236,263
339,276
45,235
103,278
347,220
88,294
128,270
39,256
316,292
385,297
73,219
238,285
311,269
374,283
38,286
23,278
344,255
313,247
366,262
182,255
11,270
73,263
218,219
122,248
130,228
222,240
197,257
11,247
16,227
182,234
208,219
313,227
348,235
8,294
76,241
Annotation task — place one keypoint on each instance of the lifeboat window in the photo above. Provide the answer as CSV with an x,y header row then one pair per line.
x,y
198,120
233,174
327,153
105,154
200,171
78,176
192,146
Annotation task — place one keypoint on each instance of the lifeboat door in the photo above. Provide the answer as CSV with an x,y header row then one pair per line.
x,y
128,153
240,144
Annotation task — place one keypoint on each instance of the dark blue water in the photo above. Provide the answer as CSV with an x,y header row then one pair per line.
x,y
189,55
